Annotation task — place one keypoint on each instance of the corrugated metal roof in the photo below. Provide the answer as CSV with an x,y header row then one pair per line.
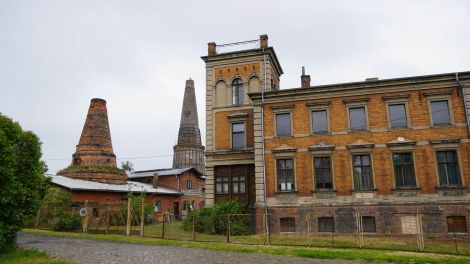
x,y
163,172
131,186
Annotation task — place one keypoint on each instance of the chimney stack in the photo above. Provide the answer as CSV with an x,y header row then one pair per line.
x,y
155,180
263,41
94,158
211,49
304,79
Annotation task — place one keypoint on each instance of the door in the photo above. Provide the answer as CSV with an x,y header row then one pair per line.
x,y
176,209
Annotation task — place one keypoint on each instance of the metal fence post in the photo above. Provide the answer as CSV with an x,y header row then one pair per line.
x,y
107,218
307,218
163,226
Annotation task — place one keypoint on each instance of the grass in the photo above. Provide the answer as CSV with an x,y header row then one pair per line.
x,y
309,252
28,256
175,231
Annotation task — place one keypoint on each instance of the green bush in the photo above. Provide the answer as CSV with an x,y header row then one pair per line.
x,y
68,221
23,182
215,220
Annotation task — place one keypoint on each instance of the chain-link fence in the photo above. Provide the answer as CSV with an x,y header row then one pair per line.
x,y
412,231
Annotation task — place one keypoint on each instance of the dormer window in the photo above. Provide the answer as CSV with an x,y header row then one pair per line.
x,y
237,91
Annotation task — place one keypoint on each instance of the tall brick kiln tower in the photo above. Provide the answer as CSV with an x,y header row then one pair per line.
x,y
189,151
94,158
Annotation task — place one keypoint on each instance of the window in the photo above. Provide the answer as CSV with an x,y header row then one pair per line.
x,y
447,167
283,127
237,91
187,206
287,224
95,212
404,171
238,135
193,205
397,116
189,184
323,179
221,185
368,224
157,207
285,175
319,121
440,112
326,224
357,118
456,224
362,172
238,184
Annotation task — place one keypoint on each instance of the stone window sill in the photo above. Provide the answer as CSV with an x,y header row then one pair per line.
x,y
324,191
364,190
286,192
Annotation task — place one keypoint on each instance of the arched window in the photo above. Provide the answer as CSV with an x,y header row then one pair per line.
x,y
237,92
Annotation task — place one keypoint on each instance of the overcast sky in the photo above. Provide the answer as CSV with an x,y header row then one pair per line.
x,y
57,55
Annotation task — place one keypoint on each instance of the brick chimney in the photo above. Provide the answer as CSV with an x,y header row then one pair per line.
x,y
211,49
263,41
304,79
95,149
155,180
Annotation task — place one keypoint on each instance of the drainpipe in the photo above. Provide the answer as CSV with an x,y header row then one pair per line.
x,y
263,150
464,101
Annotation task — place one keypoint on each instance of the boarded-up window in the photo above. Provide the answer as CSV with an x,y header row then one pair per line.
x,y
456,224
408,224
326,224
368,224
287,224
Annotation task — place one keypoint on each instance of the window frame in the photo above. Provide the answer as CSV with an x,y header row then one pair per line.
x,y
453,229
440,96
276,123
315,173
189,184
238,183
278,189
371,165
395,176
407,116
236,94
222,182
232,123
317,107
323,218
366,117
457,167
157,206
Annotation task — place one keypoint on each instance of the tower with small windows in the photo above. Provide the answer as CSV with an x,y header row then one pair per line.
x,y
233,71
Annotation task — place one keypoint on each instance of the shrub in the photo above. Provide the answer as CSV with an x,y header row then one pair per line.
x,y
23,182
68,221
215,220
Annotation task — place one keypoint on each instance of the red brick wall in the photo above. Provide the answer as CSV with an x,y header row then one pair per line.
x,y
425,163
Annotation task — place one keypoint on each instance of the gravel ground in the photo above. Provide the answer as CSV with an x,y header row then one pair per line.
x,y
93,251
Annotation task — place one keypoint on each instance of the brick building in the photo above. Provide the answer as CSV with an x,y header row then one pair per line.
x,y
94,177
378,146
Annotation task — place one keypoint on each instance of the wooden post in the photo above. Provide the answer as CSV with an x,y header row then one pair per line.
x,y
128,228
37,217
194,229
142,217
85,219
107,218
228,228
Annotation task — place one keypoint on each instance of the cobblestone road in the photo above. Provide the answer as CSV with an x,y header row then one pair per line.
x,y
92,251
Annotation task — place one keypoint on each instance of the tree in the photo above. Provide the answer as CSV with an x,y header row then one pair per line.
x,y
127,166
23,184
